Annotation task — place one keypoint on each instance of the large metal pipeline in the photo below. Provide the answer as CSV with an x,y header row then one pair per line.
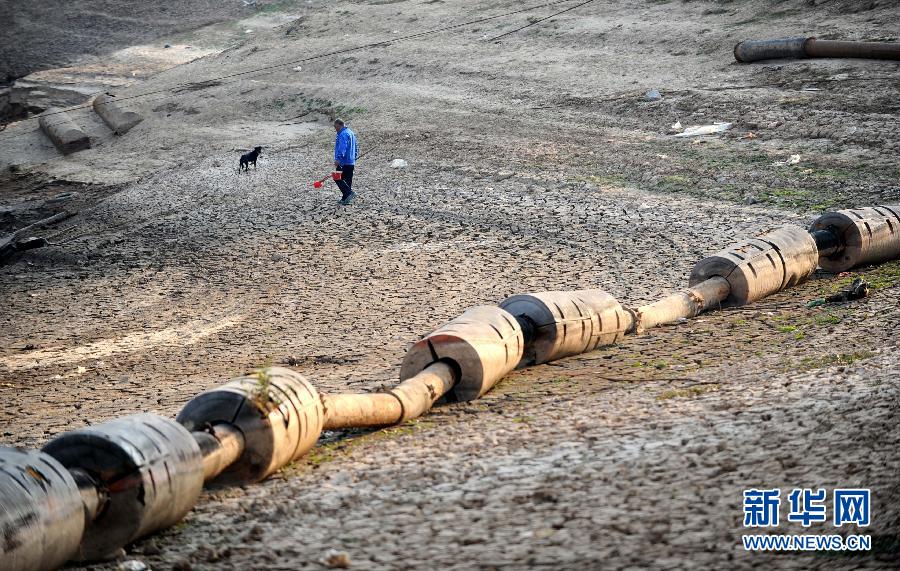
x,y
757,50
93,490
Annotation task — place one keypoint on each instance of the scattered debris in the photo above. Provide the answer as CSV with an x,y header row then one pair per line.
x,y
704,130
676,127
198,85
857,290
652,95
792,160
399,164
334,559
133,565
749,135
22,240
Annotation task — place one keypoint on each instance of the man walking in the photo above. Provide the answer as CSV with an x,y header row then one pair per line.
x,y
345,154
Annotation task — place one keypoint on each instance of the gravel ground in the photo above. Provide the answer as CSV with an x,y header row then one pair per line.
x,y
534,164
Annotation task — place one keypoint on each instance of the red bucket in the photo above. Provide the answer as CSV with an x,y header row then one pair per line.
x,y
336,175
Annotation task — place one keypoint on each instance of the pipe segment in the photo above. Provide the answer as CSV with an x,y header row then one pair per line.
x,y
689,302
482,345
116,118
802,47
150,468
42,515
761,266
277,411
63,131
410,399
866,236
221,446
563,323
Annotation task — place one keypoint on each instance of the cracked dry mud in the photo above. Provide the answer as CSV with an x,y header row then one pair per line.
x,y
534,165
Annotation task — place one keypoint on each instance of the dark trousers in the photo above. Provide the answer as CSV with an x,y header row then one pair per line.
x,y
346,180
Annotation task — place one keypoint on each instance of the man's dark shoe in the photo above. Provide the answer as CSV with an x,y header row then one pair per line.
x,y
349,198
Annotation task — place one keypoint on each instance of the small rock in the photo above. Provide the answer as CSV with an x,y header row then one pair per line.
x,y
752,200
167,46
182,565
334,559
133,565
652,95
399,164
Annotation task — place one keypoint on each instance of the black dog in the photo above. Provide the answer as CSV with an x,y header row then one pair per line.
x,y
249,158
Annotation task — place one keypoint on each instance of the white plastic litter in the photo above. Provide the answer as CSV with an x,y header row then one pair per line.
x,y
792,160
676,127
399,164
704,130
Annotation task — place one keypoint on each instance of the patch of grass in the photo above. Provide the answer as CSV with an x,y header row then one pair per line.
x,y
821,361
884,276
308,104
688,392
793,101
786,328
829,319
261,394
830,173
675,182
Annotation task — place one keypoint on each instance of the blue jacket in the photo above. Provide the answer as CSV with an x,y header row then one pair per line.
x,y
345,151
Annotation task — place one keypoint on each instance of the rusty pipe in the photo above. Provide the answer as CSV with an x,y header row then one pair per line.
x,y
863,50
686,303
410,399
799,47
221,446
